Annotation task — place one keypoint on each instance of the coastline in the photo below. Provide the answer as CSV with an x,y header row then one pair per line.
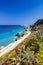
x,y
12,45
8,33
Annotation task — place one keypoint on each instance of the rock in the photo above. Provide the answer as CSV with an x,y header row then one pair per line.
x,y
18,34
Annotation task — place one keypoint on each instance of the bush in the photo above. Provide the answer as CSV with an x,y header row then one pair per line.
x,y
35,47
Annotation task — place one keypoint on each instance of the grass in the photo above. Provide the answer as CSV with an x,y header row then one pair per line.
x,y
4,55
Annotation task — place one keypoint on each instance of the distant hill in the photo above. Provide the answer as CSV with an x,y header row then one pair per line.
x,y
36,25
38,22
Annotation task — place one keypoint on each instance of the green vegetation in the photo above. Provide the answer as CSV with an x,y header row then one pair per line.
x,y
39,55
38,22
30,51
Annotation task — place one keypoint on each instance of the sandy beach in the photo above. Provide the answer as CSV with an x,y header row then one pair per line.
x,y
12,45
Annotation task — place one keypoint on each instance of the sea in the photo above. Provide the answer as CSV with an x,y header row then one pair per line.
x,y
8,33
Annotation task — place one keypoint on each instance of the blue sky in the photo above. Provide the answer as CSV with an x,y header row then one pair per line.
x,y
14,12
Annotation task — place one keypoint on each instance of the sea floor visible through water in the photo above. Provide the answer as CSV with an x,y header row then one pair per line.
x,y
8,33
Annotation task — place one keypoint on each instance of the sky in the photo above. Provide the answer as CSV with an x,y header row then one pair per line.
x,y
15,12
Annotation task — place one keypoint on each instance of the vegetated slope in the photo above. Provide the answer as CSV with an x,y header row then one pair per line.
x,y
38,22
39,55
30,52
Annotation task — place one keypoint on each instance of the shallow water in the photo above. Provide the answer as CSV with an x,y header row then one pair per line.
x,y
8,32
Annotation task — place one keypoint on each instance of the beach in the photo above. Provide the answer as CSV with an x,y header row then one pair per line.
x,y
13,45
8,33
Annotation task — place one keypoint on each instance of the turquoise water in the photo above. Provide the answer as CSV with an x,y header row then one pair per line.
x,y
8,32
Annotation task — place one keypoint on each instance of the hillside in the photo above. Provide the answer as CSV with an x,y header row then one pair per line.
x,y
38,22
30,51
